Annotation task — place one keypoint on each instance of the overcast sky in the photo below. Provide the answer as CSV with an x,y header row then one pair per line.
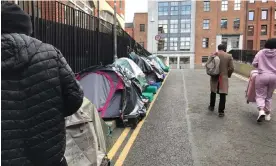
x,y
135,6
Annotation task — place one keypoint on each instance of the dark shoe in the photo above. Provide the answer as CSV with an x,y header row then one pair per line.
x,y
211,108
221,114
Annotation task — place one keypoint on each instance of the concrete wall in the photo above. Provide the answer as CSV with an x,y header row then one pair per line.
x,y
243,69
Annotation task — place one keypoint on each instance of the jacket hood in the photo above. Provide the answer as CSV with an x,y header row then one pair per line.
x,y
17,50
270,53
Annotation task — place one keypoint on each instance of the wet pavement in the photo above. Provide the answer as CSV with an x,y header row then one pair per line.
x,y
181,131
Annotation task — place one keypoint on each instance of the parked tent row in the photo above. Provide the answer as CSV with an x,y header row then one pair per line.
x,y
117,91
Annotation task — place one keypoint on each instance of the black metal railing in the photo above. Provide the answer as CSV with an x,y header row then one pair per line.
x,y
83,39
245,56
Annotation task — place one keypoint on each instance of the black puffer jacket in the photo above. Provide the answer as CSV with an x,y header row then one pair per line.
x,y
38,90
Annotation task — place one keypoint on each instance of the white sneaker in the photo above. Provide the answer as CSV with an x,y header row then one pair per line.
x,y
267,117
261,116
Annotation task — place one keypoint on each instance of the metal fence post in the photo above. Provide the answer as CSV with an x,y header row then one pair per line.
x,y
115,32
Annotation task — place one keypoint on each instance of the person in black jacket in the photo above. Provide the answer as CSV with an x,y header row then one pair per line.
x,y
38,90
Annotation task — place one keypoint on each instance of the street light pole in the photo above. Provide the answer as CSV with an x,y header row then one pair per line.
x,y
152,21
115,32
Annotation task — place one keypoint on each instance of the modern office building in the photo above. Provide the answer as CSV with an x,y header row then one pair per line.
x,y
218,22
260,24
174,22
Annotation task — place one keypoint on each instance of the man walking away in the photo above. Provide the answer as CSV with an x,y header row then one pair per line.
x,y
38,90
219,84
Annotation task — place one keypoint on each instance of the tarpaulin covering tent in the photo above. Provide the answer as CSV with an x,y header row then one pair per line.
x,y
86,141
113,94
143,65
159,61
133,68
152,74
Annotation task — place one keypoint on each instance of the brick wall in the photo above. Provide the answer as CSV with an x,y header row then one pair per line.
x,y
139,36
215,15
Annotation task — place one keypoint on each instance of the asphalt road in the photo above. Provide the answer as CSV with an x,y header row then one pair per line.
x,y
181,131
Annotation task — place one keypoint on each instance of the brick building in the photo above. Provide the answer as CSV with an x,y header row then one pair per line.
x,y
140,28
260,24
129,29
218,22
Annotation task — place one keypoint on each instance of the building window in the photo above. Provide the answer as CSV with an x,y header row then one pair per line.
x,y
263,29
204,59
163,8
262,44
163,26
275,14
224,41
142,27
250,30
223,23
264,14
205,42
173,43
162,44
235,43
185,9
224,5
174,26
237,5
165,44
250,44
236,24
185,25
274,29
174,8
251,15
185,43
251,1
206,6
206,24
264,1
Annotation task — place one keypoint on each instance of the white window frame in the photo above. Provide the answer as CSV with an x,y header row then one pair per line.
x,y
185,12
173,43
237,5
164,25
185,26
264,1
173,26
253,15
205,42
185,43
206,5
251,1
205,23
224,5
264,14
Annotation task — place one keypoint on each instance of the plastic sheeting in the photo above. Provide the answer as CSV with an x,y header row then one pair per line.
x,y
134,68
142,63
85,137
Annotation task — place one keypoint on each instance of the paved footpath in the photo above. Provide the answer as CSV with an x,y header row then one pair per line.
x,y
181,131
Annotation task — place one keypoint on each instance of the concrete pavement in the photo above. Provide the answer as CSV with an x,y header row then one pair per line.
x,y
181,131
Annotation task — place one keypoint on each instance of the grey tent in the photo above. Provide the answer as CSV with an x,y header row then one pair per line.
x,y
86,141
113,93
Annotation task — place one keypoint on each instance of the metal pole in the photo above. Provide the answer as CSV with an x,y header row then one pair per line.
x,y
115,32
98,33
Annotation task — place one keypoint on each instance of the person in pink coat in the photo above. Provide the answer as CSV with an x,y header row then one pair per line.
x,y
265,84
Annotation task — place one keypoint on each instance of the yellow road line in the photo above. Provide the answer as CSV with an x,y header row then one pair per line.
x,y
135,133
118,143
